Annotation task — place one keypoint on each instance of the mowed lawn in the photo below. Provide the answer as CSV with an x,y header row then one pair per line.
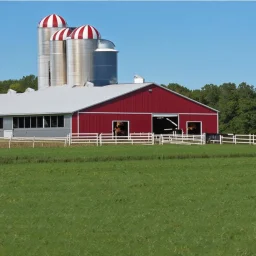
x,y
134,205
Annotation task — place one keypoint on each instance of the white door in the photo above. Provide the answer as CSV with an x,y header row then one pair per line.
x,y
8,133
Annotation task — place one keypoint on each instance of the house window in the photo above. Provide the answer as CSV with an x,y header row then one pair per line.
x,y
1,123
38,122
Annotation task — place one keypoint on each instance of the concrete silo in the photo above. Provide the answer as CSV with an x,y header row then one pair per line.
x,y
80,49
105,63
46,27
58,56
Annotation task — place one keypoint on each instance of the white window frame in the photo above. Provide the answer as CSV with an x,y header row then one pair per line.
x,y
120,121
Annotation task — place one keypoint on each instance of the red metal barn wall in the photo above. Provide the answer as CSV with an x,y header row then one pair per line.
x,y
137,108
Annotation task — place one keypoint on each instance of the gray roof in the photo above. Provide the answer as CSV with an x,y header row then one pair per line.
x,y
61,99
67,99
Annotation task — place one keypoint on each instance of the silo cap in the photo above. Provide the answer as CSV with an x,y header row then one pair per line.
x,y
61,35
52,21
85,32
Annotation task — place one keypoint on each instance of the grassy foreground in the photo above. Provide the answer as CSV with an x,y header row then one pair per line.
x,y
108,206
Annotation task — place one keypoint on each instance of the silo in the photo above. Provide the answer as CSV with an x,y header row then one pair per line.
x,y
105,63
46,27
80,48
58,57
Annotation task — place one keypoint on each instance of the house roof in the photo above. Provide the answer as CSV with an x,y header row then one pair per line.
x,y
66,99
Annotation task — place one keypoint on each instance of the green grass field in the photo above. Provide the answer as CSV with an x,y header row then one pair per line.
x,y
128,200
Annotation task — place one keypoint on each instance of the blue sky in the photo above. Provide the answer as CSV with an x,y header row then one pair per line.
x,y
191,43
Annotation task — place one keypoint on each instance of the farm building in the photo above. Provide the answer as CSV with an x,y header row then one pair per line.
x,y
138,107
78,92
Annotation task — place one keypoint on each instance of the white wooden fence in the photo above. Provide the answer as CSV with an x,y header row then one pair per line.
x,y
34,141
237,139
133,138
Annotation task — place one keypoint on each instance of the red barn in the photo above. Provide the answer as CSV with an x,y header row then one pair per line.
x,y
149,108
117,108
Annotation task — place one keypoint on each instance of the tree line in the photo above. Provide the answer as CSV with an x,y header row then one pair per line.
x,y
19,85
236,103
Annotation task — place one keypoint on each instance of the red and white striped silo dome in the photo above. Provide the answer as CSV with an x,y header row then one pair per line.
x,y
61,34
85,32
52,21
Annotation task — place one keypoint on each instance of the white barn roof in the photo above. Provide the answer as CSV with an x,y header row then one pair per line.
x,y
61,99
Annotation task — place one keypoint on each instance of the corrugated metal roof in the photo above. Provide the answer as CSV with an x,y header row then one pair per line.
x,y
61,99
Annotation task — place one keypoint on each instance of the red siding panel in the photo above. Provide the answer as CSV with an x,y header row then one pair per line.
x,y
102,123
75,123
157,101
209,122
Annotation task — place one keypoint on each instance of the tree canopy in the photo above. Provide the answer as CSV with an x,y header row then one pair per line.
x,y
236,103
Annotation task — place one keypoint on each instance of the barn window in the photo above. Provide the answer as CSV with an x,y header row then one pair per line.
x,y
1,123
47,121
15,122
21,122
54,121
194,128
40,123
33,121
27,122
120,128
60,121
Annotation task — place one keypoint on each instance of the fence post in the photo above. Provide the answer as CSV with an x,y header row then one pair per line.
x,y
153,138
97,139
235,139
69,139
34,142
221,139
65,141
100,140
10,142
253,139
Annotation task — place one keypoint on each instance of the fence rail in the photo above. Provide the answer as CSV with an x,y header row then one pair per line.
x,y
238,139
133,138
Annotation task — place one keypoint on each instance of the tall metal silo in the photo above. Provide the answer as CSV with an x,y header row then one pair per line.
x,y
80,49
46,27
58,56
105,63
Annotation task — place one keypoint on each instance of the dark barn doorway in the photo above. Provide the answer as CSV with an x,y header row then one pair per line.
x,y
165,124
194,128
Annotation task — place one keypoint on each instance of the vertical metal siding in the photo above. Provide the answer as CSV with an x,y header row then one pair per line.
x,y
209,122
157,101
102,123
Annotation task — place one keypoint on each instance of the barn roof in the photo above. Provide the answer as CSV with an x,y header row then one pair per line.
x,y
61,99
65,99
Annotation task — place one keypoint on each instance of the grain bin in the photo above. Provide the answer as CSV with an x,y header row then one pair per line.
x,y
80,49
46,28
58,56
105,63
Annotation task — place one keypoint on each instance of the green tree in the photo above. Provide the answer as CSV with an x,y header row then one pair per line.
x,y
16,87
